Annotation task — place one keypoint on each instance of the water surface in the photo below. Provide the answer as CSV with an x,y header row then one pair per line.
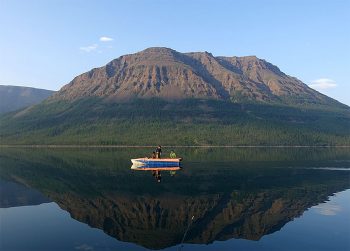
x,y
222,199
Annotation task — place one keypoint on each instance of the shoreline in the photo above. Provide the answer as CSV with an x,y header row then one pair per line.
x,y
171,146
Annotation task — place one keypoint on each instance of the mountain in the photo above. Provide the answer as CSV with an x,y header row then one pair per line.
x,y
16,97
168,74
163,96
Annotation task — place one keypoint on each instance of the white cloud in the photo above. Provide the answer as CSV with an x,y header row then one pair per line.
x,y
89,48
106,39
323,84
96,46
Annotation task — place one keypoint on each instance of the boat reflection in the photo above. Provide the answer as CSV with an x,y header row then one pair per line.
x,y
156,170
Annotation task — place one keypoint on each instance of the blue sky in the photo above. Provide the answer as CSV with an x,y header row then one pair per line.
x,y
46,43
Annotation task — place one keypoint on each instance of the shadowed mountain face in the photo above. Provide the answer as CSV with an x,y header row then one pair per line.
x,y
166,73
239,193
16,97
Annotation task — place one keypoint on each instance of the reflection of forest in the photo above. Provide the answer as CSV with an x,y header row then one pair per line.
x,y
227,201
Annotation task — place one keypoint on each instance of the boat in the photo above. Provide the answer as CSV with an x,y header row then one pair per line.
x,y
151,168
156,163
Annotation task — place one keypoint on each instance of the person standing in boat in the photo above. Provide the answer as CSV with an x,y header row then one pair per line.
x,y
159,152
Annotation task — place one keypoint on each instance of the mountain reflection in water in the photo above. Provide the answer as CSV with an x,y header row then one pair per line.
x,y
231,193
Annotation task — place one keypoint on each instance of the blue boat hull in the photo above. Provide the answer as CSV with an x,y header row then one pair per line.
x,y
151,163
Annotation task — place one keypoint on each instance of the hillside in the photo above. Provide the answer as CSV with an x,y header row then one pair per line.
x,y
13,98
162,96
168,74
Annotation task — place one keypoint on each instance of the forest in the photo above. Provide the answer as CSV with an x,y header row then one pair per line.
x,y
94,121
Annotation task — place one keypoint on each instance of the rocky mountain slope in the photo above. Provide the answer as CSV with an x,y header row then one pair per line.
x,y
16,97
161,96
166,73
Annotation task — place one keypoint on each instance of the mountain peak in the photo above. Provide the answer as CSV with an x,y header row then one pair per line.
x,y
165,73
160,53
157,50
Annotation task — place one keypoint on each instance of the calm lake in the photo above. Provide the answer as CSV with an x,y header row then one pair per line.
x,y
221,199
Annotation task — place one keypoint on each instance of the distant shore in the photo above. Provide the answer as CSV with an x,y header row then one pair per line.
x,y
172,146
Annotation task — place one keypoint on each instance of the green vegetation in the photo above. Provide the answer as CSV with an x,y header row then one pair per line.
x,y
189,122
